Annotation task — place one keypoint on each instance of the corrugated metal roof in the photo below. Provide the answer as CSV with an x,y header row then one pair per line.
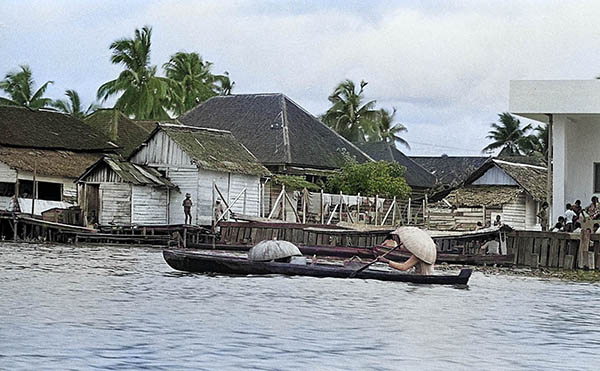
x,y
131,173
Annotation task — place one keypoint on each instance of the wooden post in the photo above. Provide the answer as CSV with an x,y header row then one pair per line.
x,y
34,191
358,208
409,212
341,205
212,207
394,212
549,171
322,209
304,202
283,202
245,197
423,211
332,213
376,202
584,246
427,208
275,204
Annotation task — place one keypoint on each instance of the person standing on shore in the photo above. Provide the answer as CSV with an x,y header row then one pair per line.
x,y
187,208
543,216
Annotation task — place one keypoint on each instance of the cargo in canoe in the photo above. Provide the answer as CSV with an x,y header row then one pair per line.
x,y
205,263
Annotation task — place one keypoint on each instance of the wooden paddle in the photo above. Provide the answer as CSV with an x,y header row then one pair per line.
x,y
356,272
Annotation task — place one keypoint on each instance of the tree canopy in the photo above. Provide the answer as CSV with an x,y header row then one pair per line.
x,y
381,178
359,121
509,136
72,106
20,88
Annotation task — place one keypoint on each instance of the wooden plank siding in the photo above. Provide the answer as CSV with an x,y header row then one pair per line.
x,y
513,212
149,205
115,203
187,181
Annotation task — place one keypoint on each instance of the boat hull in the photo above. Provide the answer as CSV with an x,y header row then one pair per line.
x,y
205,263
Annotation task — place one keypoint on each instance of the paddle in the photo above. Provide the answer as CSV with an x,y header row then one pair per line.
x,y
371,263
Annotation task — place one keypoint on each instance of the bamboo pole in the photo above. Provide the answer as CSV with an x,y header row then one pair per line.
x,y
283,211
394,212
229,207
376,212
332,213
341,205
409,212
388,212
322,209
358,208
304,202
275,204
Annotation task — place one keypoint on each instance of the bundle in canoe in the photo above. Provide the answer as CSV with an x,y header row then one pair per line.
x,y
204,263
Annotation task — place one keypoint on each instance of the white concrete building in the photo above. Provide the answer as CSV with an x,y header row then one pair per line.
x,y
572,108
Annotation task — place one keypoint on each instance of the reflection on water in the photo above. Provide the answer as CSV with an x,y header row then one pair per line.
x,y
78,308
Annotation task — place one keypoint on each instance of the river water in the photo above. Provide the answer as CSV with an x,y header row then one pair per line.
x,y
65,307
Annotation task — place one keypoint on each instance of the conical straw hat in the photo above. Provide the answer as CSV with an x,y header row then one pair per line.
x,y
418,242
268,250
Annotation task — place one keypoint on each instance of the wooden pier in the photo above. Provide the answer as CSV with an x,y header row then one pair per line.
x,y
24,227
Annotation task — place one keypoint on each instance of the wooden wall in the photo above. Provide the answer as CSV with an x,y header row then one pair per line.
x,y
149,205
513,212
115,203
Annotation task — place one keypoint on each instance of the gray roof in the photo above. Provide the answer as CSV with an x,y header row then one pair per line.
x,y
450,170
129,172
276,130
416,175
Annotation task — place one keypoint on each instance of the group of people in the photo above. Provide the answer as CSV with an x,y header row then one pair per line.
x,y
575,215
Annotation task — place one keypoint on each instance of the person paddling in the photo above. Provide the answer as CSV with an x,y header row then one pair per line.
x,y
418,243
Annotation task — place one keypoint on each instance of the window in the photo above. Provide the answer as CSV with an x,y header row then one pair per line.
x,y
45,190
597,177
7,189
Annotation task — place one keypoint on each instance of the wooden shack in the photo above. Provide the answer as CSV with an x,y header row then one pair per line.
x,y
114,191
197,159
41,155
513,190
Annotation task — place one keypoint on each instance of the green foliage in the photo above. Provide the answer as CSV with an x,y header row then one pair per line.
x,y
294,182
509,135
73,106
19,87
381,178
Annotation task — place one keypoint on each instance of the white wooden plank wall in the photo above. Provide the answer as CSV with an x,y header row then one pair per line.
x,y
186,180
162,150
251,183
531,210
513,212
7,174
495,176
149,205
4,202
103,174
204,203
115,203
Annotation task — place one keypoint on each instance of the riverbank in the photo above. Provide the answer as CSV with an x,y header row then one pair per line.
x,y
567,275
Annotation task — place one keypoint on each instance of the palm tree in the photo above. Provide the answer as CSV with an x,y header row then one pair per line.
x,y
143,95
387,131
508,135
72,106
19,87
348,116
225,85
191,81
537,143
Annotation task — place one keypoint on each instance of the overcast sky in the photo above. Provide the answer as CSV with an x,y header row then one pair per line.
x,y
445,65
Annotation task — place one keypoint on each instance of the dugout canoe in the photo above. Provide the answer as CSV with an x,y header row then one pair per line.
x,y
205,263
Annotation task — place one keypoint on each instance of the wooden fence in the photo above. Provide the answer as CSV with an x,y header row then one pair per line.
x,y
554,250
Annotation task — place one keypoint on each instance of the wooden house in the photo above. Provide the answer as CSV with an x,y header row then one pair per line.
x,y
283,136
513,190
417,177
193,159
115,191
51,147
450,171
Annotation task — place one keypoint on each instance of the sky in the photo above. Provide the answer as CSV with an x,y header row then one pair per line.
x,y
444,65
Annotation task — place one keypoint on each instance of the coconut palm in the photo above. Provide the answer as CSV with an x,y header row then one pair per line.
x,y
19,87
348,115
508,135
143,95
387,131
73,106
191,81
224,84
537,143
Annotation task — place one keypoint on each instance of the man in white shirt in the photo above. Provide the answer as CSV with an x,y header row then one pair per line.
x,y
569,214
491,247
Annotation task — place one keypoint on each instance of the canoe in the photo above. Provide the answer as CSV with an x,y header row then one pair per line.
x,y
205,263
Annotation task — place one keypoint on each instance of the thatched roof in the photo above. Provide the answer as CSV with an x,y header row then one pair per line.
x,y
215,150
416,175
276,130
23,127
477,196
450,170
127,134
48,162
129,172
529,177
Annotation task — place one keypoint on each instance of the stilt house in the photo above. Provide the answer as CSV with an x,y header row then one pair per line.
x,y
173,161
515,191
51,147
